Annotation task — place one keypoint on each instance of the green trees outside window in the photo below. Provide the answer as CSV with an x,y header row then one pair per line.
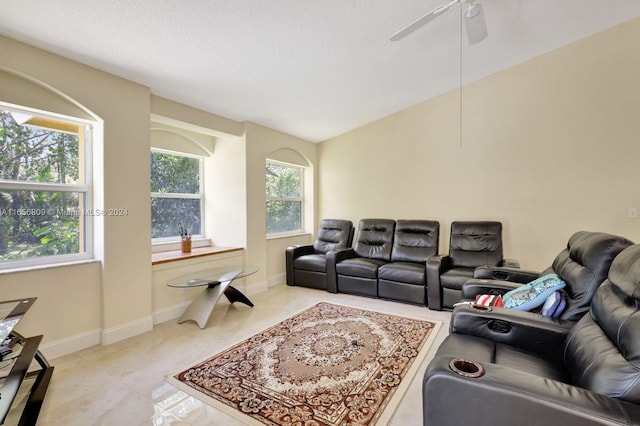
x,y
176,194
284,189
43,190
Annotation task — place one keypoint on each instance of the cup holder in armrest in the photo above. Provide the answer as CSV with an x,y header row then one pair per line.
x,y
499,326
480,308
466,368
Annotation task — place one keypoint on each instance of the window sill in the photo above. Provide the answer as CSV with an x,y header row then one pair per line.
x,y
177,255
29,268
166,246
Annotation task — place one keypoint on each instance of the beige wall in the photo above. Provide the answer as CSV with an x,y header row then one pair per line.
x,y
549,147
68,303
261,142
120,294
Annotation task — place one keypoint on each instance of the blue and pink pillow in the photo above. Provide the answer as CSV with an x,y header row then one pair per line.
x,y
534,294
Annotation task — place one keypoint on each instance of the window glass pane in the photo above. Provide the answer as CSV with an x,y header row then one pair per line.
x,y
174,174
40,223
284,216
38,150
167,214
283,181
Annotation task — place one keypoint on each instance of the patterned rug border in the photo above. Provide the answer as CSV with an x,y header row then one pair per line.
x,y
386,414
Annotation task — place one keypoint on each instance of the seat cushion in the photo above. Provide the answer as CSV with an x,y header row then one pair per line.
x,y
360,267
311,262
485,351
456,277
404,272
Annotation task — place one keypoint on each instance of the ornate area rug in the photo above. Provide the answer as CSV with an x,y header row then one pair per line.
x,y
328,365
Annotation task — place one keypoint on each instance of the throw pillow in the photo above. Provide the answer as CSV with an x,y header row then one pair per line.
x,y
554,305
489,300
532,295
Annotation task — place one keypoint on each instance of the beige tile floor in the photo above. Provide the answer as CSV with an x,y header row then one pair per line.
x,y
123,383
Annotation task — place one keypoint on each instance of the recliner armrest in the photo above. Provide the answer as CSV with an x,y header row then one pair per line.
x,y
529,331
440,263
505,395
435,266
300,250
291,253
474,287
333,258
504,273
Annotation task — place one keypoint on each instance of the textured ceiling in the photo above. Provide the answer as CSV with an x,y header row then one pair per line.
x,y
313,69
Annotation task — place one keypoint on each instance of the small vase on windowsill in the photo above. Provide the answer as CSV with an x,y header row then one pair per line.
x,y
186,244
185,239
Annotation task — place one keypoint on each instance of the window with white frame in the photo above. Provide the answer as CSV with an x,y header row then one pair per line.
x,y
177,196
45,187
284,191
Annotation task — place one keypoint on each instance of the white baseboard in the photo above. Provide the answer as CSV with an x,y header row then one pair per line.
x,y
67,345
276,280
167,314
124,331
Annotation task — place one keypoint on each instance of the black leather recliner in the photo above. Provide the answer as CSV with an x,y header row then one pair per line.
x,y
307,265
405,277
504,368
471,244
355,271
583,265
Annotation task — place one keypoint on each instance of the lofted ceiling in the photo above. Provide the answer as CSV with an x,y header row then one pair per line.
x,y
313,69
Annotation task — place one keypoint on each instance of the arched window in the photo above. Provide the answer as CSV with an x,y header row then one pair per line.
x,y
285,198
45,187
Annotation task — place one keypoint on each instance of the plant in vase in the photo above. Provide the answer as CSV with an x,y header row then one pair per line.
x,y
185,239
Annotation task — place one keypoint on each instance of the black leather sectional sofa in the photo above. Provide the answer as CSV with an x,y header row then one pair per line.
x,y
506,366
395,259
387,260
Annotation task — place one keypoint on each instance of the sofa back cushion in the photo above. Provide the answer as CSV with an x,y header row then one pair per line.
x,y
476,243
375,238
602,352
415,240
584,265
333,234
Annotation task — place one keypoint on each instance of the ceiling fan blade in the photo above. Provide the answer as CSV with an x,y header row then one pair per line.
x,y
422,21
475,23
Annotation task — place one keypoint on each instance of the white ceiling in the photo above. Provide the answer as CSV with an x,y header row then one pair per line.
x,y
313,69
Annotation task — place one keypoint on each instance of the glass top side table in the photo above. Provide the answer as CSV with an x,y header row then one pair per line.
x,y
216,282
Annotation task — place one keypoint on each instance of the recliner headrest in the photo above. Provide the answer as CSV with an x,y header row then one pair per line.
x,y
584,266
415,240
375,238
475,243
616,306
333,234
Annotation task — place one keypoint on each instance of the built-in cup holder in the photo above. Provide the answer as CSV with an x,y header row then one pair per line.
x,y
480,308
466,368
499,326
